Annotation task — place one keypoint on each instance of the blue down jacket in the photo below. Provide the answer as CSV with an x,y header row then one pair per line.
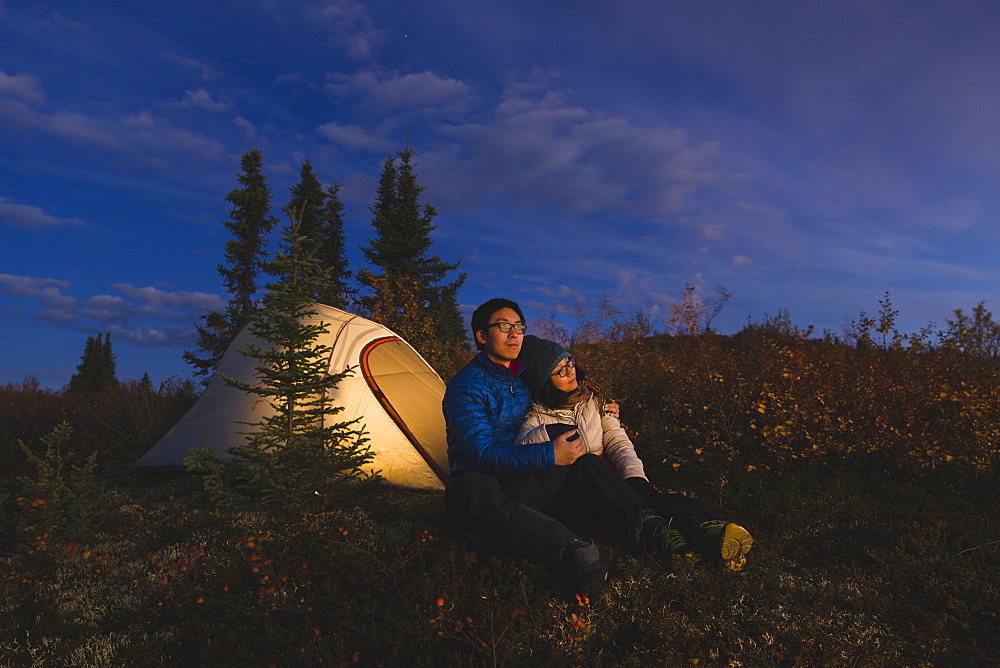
x,y
484,406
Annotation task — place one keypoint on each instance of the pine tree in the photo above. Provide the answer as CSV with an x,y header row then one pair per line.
x,y
108,379
250,220
96,371
293,454
408,294
321,220
331,252
306,203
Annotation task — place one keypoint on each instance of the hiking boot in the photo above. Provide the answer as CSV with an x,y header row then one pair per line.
x,y
586,567
724,543
672,543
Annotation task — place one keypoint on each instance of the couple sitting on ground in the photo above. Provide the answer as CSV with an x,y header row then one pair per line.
x,y
532,451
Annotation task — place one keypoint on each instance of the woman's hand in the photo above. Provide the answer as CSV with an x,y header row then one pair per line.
x,y
611,408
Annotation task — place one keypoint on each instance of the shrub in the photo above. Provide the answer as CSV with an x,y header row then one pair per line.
x,y
61,499
293,455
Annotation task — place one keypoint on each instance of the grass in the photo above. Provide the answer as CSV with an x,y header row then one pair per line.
x,y
864,555
850,567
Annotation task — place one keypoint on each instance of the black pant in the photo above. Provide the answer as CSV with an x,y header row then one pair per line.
x,y
685,514
526,515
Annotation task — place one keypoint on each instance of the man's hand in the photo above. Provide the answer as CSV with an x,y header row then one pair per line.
x,y
611,408
567,451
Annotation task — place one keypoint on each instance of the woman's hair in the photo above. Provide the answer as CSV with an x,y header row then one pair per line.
x,y
551,397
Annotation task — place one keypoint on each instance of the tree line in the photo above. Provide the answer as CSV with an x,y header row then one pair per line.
x,y
406,288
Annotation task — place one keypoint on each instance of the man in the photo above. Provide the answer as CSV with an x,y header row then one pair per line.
x,y
506,494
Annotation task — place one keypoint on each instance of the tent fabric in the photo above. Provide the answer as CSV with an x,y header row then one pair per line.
x,y
393,390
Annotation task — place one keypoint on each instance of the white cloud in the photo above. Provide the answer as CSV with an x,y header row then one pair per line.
x,y
141,136
710,230
145,316
292,78
32,217
199,99
66,22
249,129
953,215
353,138
629,283
24,86
107,309
154,297
151,337
349,25
205,71
560,293
57,316
543,151
46,290
390,93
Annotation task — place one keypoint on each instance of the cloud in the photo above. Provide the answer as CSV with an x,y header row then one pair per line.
x,y
849,105
560,293
32,217
205,71
710,230
349,25
627,282
390,93
148,302
58,317
107,309
141,136
953,215
150,337
249,129
24,86
537,149
154,297
64,21
145,316
353,138
198,99
48,291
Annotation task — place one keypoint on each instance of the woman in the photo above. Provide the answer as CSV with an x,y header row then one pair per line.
x,y
562,396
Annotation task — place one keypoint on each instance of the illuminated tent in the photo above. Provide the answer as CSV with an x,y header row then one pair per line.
x,y
393,390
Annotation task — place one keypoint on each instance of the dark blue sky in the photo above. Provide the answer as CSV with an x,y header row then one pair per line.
x,y
808,156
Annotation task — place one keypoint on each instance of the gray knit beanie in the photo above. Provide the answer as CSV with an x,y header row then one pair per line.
x,y
539,357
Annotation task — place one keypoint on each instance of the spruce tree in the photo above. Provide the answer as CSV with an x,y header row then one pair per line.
x,y
306,203
408,292
108,378
331,251
321,219
292,456
250,221
96,371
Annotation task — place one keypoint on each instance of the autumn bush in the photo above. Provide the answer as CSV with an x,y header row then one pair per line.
x,y
118,425
767,400
864,466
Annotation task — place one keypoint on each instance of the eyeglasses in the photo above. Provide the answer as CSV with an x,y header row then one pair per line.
x,y
505,327
564,370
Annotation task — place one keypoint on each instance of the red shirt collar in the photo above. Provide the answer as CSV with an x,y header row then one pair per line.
x,y
514,366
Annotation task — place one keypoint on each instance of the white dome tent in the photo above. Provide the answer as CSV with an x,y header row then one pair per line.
x,y
393,390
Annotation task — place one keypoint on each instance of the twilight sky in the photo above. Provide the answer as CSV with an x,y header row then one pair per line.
x,y
806,155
